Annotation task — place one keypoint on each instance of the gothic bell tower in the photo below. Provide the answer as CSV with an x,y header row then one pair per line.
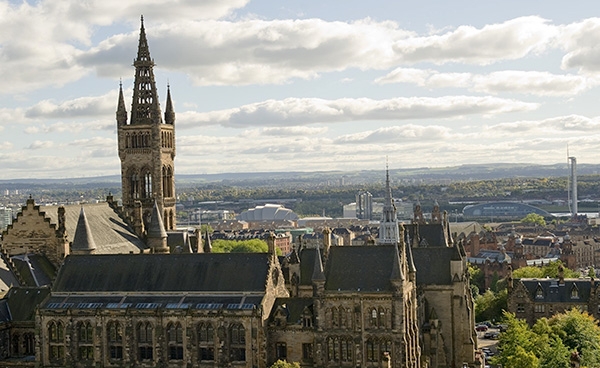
x,y
146,146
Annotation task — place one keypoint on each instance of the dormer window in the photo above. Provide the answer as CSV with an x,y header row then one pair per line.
x,y
574,292
539,292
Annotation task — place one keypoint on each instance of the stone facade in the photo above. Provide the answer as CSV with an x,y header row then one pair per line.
x,y
33,232
146,147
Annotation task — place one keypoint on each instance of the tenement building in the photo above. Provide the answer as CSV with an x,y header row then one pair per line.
x,y
110,295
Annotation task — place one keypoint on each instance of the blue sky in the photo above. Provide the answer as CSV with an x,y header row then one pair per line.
x,y
293,85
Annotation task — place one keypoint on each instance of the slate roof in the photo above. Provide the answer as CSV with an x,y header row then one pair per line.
x,y
433,265
35,269
111,234
307,265
430,235
359,268
22,301
553,292
294,308
218,272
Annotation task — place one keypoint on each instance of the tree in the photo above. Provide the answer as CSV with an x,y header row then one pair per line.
x,y
241,246
534,218
490,305
517,346
579,331
284,364
549,270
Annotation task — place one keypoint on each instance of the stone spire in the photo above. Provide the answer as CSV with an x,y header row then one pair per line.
x,y
121,110
83,241
145,108
157,236
169,111
397,274
388,228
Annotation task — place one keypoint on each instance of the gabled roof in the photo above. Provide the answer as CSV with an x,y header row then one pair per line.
x,y
219,272
22,301
433,265
293,307
553,291
360,268
111,234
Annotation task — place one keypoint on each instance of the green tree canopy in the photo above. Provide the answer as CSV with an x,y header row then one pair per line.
x,y
548,270
549,343
284,364
534,218
241,246
490,305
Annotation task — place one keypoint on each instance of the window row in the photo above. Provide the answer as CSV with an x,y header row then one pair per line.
x,y
140,183
137,140
145,337
341,317
166,139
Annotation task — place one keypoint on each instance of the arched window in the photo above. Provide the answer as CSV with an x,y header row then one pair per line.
x,y
144,340
238,342
175,341
373,318
29,344
134,183
56,336
167,181
147,191
206,336
335,317
85,341
114,332
171,220
372,351
381,320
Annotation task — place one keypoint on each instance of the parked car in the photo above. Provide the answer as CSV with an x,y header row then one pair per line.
x,y
502,328
481,328
491,335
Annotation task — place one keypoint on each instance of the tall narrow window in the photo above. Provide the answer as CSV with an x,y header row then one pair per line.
x,y
85,341
145,341
175,341
135,186
148,185
206,345
56,346
238,342
115,340
29,344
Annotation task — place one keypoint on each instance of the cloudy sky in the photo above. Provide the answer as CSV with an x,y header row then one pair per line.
x,y
285,85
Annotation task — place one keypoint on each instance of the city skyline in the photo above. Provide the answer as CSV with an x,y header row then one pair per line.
x,y
302,86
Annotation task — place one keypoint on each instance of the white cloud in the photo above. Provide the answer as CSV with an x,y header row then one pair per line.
x,y
303,111
513,81
41,145
78,107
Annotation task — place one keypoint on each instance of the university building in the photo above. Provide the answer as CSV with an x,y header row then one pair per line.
x,y
103,286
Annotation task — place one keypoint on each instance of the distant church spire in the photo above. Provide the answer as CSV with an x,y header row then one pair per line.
x,y
388,228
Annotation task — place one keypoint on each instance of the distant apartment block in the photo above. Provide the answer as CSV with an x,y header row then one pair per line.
x,y
5,217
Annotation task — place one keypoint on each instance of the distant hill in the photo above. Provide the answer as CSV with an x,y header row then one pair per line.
x,y
452,173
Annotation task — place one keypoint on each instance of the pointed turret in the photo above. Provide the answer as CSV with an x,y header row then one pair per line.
x,y
397,274
169,111
388,228
157,236
83,242
121,110
145,108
